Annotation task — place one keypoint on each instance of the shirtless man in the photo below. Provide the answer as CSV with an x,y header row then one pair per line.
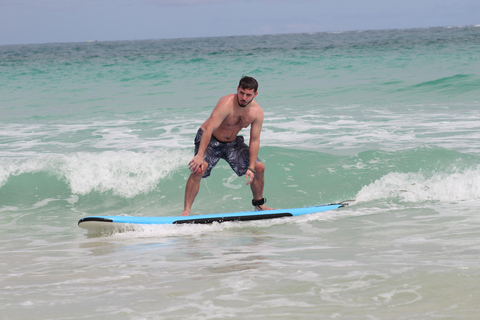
x,y
218,138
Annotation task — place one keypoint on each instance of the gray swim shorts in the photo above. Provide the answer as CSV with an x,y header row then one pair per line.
x,y
235,153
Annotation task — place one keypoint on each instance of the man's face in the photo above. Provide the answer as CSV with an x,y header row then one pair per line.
x,y
245,96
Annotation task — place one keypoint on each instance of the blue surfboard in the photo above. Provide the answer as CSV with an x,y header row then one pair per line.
x,y
125,222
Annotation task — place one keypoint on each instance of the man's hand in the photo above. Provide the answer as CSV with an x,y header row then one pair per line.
x,y
249,175
195,165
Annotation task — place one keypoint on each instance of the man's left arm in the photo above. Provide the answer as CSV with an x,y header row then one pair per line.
x,y
254,145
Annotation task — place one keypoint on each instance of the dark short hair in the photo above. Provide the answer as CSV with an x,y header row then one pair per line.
x,y
248,83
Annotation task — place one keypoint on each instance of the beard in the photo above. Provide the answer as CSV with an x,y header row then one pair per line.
x,y
243,103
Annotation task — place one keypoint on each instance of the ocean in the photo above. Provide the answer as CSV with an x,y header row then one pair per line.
x,y
387,118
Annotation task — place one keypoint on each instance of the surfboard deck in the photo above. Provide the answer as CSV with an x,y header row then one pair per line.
x,y
97,223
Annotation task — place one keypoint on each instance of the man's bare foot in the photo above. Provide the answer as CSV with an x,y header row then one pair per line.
x,y
262,208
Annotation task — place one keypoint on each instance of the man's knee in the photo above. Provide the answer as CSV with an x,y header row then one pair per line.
x,y
259,167
199,174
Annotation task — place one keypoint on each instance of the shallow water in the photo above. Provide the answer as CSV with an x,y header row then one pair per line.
x,y
388,118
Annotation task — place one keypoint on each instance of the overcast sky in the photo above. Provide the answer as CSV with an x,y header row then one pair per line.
x,y
45,21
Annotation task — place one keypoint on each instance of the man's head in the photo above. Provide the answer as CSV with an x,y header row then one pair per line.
x,y
248,83
246,91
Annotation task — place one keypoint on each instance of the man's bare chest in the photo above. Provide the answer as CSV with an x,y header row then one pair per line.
x,y
238,120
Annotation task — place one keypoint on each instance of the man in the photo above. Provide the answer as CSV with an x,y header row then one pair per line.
x,y
218,138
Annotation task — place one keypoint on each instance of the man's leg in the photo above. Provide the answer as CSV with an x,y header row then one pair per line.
x,y
258,183
191,190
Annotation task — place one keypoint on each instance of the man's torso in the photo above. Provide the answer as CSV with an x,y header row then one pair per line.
x,y
237,119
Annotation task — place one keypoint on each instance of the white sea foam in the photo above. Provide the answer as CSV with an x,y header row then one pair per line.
x,y
374,128
416,187
124,173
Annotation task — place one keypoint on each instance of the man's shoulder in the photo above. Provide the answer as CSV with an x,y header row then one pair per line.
x,y
256,106
226,101
228,97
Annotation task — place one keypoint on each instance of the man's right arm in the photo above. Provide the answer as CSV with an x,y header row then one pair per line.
x,y
219,113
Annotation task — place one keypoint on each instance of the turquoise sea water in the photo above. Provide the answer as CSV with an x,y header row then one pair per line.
x,y
390,118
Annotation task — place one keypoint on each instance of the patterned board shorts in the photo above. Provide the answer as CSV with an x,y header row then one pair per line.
x,y
235,153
